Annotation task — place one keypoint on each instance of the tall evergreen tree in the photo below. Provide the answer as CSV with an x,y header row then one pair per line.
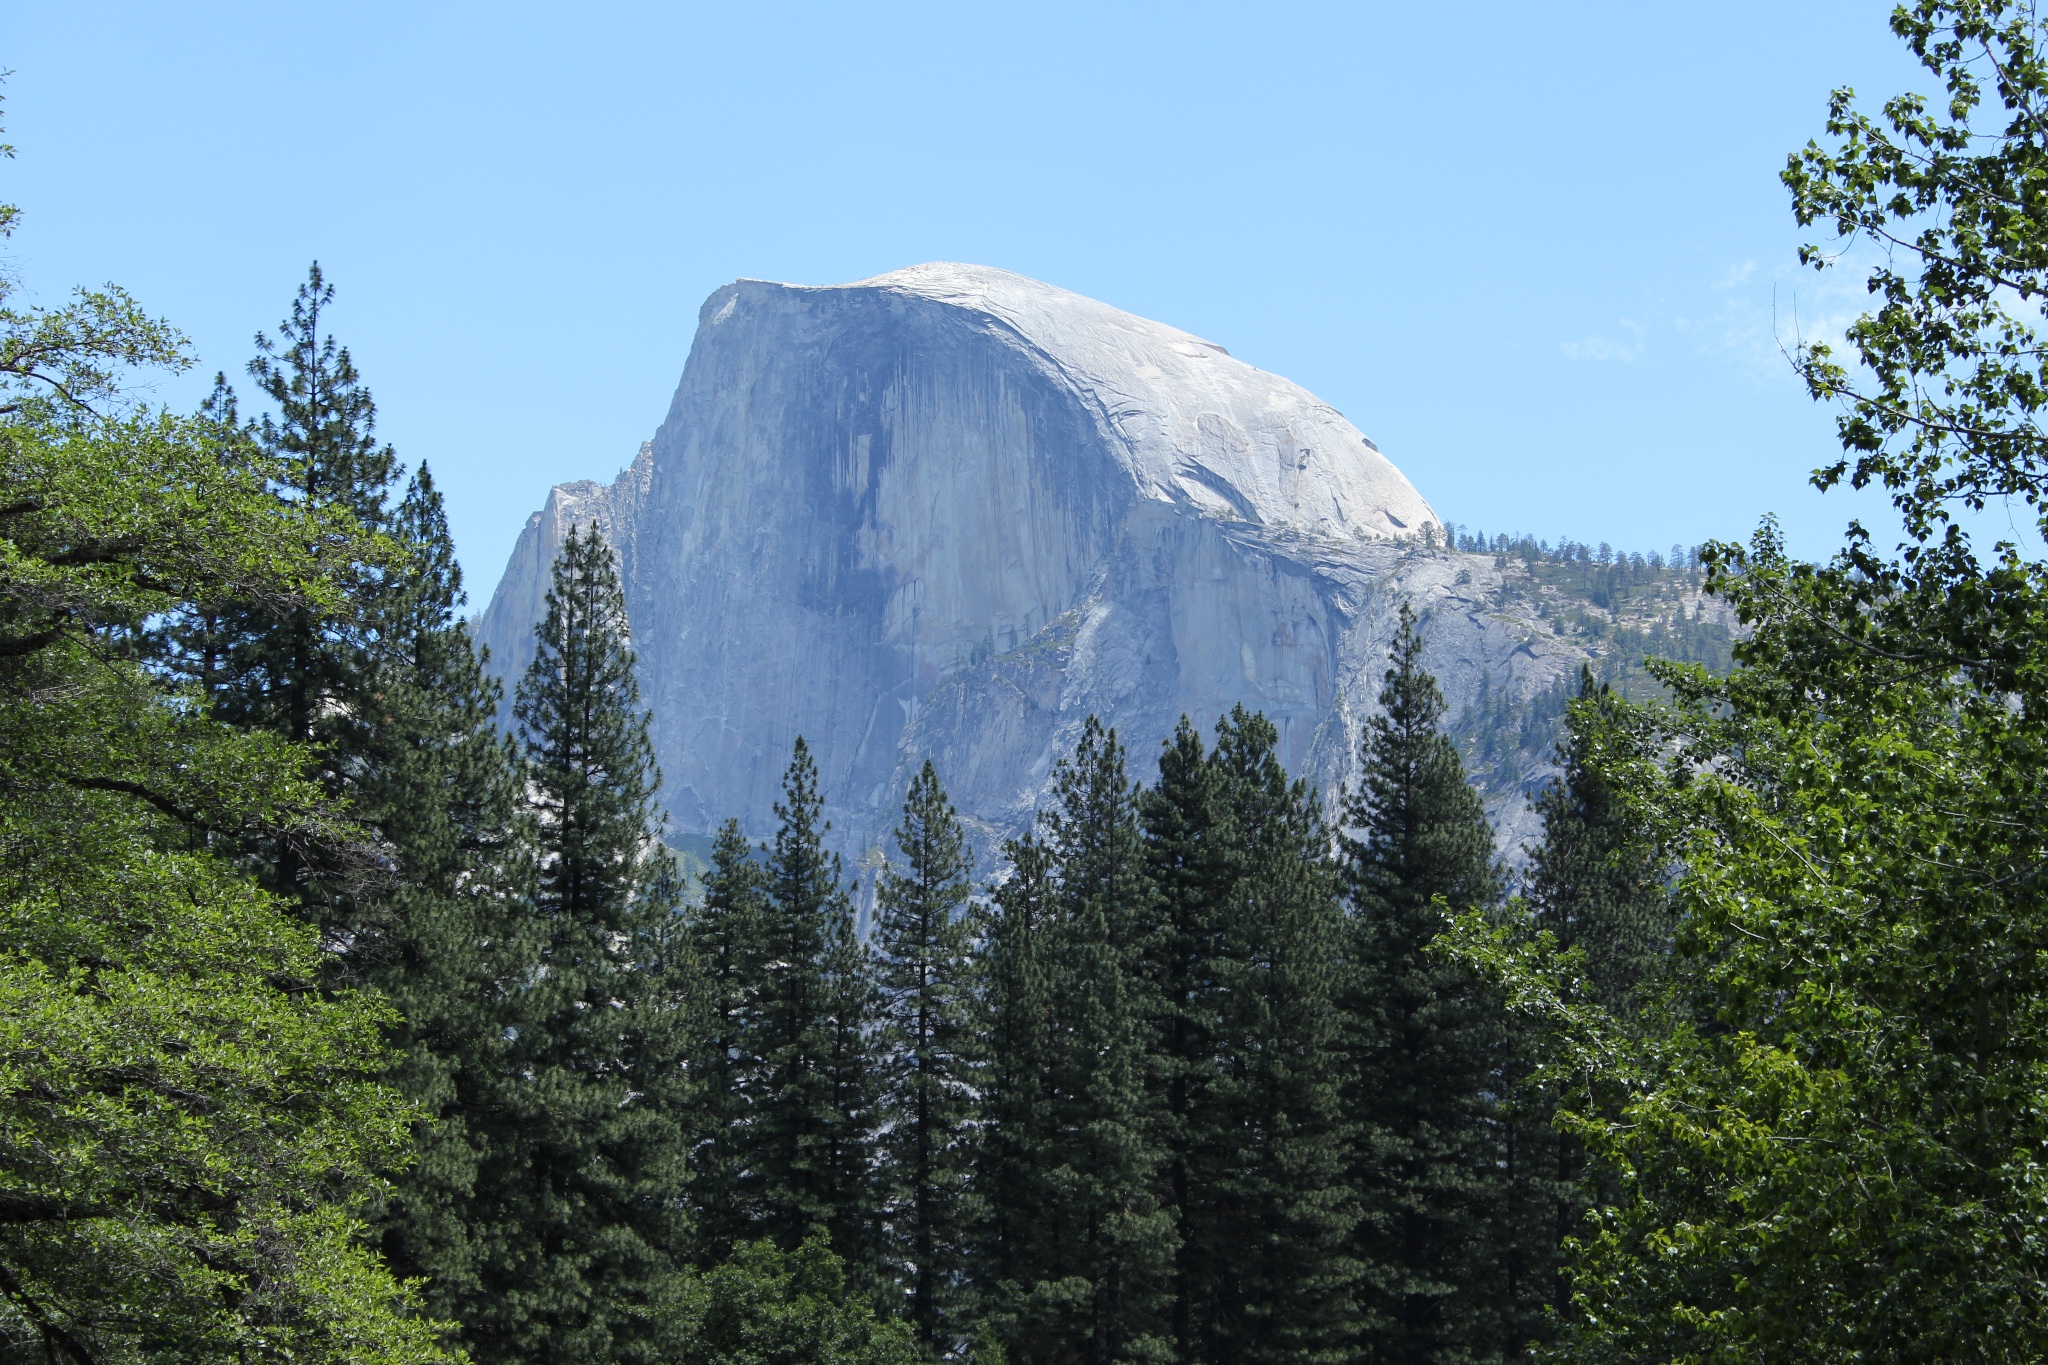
x,y
1241,956
1282,1281
727,931
1595,883
1014,1028
921,934
1596,879
809,1101
441,788
427,908
1424,1035
1189,862
853,1076
287,668
1101,1289
592,1172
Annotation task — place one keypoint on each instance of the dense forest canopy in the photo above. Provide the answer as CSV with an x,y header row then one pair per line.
x,y
338,1024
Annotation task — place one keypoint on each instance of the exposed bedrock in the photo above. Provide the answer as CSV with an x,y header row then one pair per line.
x,y
950,512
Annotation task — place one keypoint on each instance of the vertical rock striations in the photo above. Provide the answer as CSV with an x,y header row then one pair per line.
x,y
951,511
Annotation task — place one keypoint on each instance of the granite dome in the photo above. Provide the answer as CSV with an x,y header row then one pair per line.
x,y
949,512
1194,425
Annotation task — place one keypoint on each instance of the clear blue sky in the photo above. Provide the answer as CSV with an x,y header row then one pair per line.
x,y
1538,252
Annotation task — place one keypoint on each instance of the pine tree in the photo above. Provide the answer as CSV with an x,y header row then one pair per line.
x,y
1278,1213
853,1077
592,1171
441,787
926,1101
1189,864
1246,935
1102,1288
427,908
726,935
1424,1036
1014,1026
1595,884
291,670
1596,879
810,1101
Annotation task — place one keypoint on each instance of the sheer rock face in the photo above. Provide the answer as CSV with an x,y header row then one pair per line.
x,y
950,512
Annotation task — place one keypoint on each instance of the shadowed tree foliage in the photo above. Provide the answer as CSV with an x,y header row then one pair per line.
x,y
588,1233
728,936
926,1041
1596,879
1014,1024
810,1100
764,1306
1425,1034
1242,959
1096,1287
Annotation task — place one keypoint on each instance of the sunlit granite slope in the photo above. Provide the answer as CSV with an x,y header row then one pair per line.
x,y
951,511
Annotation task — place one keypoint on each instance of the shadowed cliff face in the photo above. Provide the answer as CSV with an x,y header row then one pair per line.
x,y
950,512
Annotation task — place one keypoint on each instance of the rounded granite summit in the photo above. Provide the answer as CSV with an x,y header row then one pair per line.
x,y
1193,424
951,512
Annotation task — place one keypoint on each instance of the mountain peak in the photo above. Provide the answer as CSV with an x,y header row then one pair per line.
x,y
950,512
1191,424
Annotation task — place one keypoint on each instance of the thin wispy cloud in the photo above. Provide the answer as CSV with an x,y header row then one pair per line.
x,y
1736,275
1762,317
1601,347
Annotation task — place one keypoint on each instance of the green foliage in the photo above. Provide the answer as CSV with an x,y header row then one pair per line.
x,y
1594,889
1425,1037
1189,862
765,1306
728,937
810,1101
425,908
1014,1026
184,1122
308,676
1820,1130
589,1173
439,786
1943,406
1097,1279
926,1096
1596,881
1246,1062
1823,1131
188,1134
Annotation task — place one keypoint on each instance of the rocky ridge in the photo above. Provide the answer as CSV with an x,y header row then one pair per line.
x,y
950,512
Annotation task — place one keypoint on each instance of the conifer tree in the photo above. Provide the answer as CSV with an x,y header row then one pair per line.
x,y
1595,884
1281,1281
1102,1288
1246,1067
442,788
287,669
1424,1036
926,1099
427,909
1014,1025
592,1172
1190,866
853,1076
1595,881
809,1105
727,939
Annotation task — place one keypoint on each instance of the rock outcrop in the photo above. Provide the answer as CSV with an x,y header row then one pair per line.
x,y
951,511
